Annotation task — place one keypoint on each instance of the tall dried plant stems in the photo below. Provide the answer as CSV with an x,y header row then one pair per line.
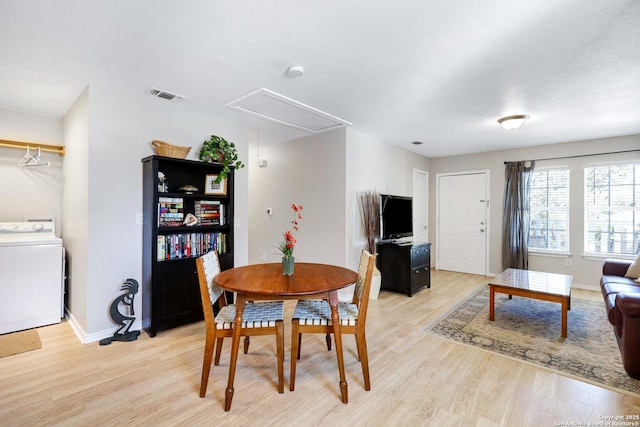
x,y
370,215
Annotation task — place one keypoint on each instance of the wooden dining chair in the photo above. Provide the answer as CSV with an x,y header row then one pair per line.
x,y
264,318
314,316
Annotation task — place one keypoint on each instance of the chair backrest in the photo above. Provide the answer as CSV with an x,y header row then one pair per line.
x,y
363,285
208,266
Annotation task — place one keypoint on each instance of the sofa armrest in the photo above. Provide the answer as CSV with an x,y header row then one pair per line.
x,y
615,267
628,304
627,330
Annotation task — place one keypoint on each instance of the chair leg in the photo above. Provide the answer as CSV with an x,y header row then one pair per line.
x,y
327,338
295,351
280,352
246,344
219,342
361,343
206,364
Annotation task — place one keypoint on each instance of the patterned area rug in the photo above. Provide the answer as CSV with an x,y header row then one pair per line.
x,y
529,330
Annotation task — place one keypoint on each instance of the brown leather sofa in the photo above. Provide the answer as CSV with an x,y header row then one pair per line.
x,y
622,299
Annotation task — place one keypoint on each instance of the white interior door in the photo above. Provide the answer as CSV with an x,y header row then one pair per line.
x,y
420,206
462,222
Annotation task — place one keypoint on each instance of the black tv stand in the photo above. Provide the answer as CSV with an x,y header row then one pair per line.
x,y
398,242
405,266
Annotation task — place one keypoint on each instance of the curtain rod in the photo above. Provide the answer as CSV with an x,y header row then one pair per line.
x,y
579,155
43,147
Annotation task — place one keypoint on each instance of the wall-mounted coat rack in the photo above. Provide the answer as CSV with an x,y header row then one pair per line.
x,y
24,145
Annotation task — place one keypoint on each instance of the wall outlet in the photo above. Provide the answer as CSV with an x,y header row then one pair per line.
x,y
264,256
567,262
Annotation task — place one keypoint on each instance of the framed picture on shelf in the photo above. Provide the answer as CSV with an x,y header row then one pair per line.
x,y
215,188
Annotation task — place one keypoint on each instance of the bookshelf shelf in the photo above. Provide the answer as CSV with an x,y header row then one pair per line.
x,y
170,291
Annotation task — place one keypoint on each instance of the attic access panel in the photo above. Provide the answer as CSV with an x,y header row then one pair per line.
x,y
272,106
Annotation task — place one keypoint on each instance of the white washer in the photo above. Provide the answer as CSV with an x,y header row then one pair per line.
x,y
31,275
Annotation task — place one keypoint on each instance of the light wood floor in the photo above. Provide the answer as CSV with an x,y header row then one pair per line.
x,y
417,379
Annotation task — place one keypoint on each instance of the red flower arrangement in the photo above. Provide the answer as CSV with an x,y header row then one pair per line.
x,y
289,242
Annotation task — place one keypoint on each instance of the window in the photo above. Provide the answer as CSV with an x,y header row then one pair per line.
x,y
549,210
612,208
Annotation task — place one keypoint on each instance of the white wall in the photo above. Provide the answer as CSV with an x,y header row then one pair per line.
x,y
374,165
323,173
30,192
585,270
107,133
75,206
307,171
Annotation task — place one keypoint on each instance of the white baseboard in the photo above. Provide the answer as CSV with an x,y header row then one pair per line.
x,y
595,288
95,336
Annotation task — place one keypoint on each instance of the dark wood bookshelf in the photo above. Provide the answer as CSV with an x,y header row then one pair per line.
x,y
170,291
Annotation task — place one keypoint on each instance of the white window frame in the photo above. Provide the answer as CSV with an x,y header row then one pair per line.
x,y
567,211
620,243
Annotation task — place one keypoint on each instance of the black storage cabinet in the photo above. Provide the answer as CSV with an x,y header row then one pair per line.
x,y
405,266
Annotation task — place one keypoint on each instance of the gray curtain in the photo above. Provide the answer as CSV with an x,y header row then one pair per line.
x,y
515,215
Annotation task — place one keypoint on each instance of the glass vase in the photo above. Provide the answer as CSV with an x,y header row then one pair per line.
x,y
287,265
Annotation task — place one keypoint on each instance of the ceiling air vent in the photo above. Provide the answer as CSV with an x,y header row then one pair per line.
x,y
166,95
280,109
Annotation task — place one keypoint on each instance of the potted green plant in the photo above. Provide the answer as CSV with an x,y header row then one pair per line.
x,y
219,150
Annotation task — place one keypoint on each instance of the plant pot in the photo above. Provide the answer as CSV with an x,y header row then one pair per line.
x,y
288,263
376,281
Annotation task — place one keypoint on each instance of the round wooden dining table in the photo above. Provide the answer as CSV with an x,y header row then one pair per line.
x,y
266,282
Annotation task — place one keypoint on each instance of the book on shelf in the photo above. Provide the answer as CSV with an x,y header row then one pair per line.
x,y
170,211
189,245
162,248
209,212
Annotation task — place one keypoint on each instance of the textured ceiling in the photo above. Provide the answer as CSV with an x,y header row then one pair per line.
x,y
438,71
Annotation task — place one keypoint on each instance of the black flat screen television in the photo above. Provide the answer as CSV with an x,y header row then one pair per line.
x,y
396,216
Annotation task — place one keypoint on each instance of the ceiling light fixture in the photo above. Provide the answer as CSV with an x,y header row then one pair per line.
x,y
295,71
513,122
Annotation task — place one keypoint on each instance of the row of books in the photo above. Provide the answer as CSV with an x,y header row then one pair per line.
x,y
209,212
190,245
170,211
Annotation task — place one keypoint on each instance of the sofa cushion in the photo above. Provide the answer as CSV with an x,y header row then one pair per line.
x,y
615,267
612,286
615,287
634,269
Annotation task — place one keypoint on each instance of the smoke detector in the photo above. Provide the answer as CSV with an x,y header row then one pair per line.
x,y
295,71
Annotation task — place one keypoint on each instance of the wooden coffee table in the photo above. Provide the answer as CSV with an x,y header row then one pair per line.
x,y
533,284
